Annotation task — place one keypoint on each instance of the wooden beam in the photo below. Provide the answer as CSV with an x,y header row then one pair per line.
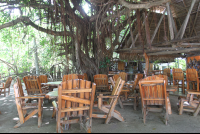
x,y
147,29
183,27
170,22
173,23
136,37
190,44
158,25
195,20
190,17
166,43
178,50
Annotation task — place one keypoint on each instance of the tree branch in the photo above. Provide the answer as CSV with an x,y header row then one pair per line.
x,y
27,21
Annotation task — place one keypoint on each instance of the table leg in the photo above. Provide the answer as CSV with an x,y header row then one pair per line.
x,y
169,106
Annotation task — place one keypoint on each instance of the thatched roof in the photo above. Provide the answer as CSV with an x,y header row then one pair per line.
x,y
162,47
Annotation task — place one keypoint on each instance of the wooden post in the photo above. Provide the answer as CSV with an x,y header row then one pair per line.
x,y
147,29
170,22
147,64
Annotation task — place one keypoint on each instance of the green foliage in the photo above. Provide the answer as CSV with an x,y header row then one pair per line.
x,y
105,63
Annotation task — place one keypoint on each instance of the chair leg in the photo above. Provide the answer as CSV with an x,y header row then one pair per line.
x,y
181,107
39,113
196,110
144,115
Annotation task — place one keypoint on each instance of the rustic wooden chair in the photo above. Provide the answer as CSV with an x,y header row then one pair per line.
x,y
132,94
85,76
101,81
192,77
6,86
166,71
43,79
75,99
22,106
69,77
108,107
123,76
81,77
190,103
178,76
153,93
33,85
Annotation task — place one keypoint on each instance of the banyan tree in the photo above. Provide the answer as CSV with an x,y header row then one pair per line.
x,y
129,27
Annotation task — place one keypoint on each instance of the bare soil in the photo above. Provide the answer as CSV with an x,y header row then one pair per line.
x,y
184,123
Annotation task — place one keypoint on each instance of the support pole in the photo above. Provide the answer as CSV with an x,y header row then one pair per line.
x,y
170,22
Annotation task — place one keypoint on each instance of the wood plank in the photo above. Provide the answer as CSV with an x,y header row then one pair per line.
x,y
75,109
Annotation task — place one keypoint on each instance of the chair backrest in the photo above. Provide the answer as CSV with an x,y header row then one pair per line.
x,y
18,101
69,77
115,77
163,76
177,74
153,91
166,71
43,78
191,74
85,76
8,82
20,90
136,80
81,77
123,75
101,81
75,98
117,89
33,85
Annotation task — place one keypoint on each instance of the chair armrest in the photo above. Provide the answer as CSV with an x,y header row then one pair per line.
x,y
125,90
111,96
31,97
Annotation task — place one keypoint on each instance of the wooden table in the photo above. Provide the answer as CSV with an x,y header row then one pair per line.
x,y
52,85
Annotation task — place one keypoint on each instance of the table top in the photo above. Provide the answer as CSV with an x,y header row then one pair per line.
x,y
54,94
55,83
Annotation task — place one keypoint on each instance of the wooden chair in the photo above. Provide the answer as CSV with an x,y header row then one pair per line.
x,y
43,79
178,76
33,85
108,107
192,77
22,106
85,76
130,96
81,77
123,76
75,99
153,93
115,77
190,103
69,77
6,86
101,81
166,71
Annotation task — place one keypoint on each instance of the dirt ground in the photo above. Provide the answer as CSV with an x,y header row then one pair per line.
x,y
184,123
